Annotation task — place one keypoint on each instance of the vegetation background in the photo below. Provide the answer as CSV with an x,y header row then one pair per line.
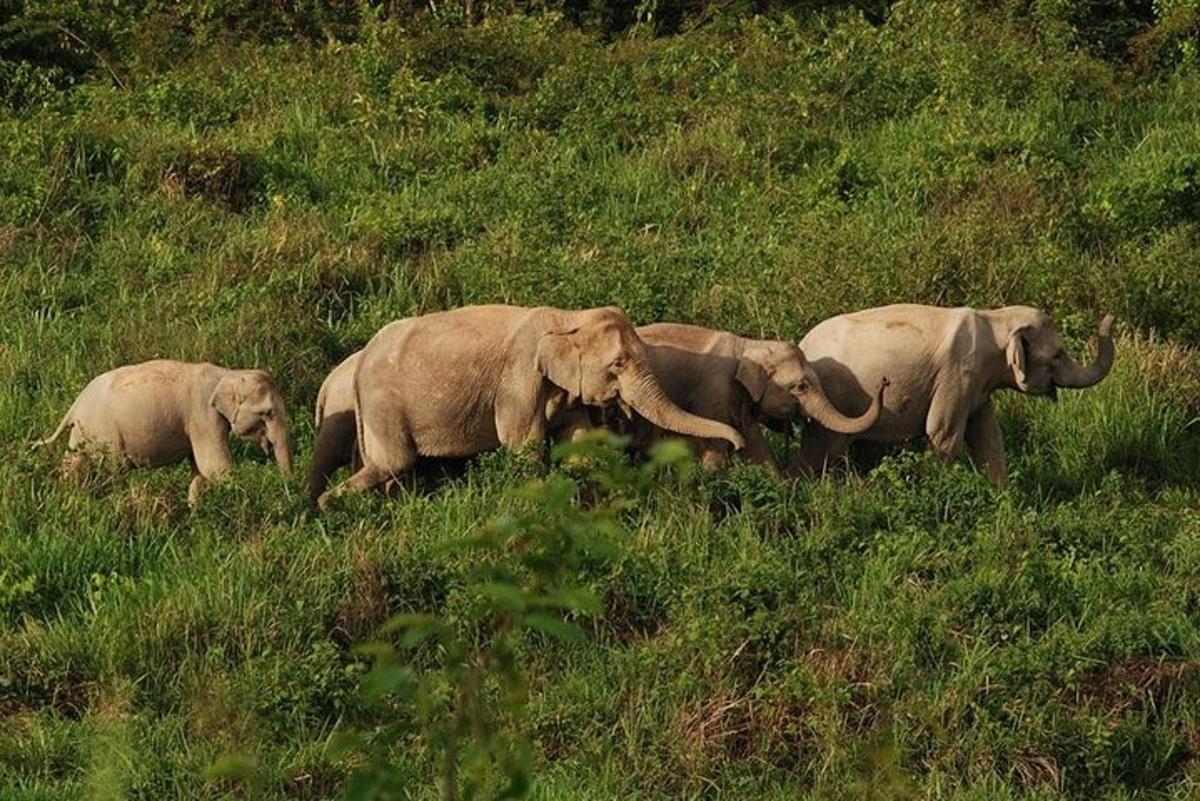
x,y
267,183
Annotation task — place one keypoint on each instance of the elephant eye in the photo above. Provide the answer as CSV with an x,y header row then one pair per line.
x,y
800,386
618,363
268,412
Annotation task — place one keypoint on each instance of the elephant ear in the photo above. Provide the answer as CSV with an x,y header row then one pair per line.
x,y
559,360
753,376
1015,355
225,399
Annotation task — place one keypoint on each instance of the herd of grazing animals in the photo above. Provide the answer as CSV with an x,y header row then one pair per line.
x,y
461,382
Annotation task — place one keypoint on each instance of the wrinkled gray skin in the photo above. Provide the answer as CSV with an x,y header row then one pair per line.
x,y
944,365
462,382
742,382
161,412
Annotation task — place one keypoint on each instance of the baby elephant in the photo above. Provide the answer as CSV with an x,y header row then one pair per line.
x,y
742,382
161,412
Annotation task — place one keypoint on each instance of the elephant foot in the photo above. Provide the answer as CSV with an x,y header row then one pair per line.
x,y
194,490
75,466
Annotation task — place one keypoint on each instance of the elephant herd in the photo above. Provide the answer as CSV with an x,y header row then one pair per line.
x,y
461,382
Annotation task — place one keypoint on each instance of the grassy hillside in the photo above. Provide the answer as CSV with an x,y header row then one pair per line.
x,y
271,194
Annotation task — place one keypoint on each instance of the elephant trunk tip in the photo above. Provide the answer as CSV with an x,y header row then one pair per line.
x,y
281,446
1072,375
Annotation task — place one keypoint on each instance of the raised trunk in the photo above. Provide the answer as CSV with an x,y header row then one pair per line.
x,y
817,406
1071,375
641,391
280,443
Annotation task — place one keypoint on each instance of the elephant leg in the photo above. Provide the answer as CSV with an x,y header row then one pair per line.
x,y
75,465
211,459
987,445
819,447
195,487
387,451
368,477
946,423
526,435
520,419
334,448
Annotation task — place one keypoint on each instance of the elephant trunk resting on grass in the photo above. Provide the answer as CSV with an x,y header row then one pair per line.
x,y
162,412
944,365
461,382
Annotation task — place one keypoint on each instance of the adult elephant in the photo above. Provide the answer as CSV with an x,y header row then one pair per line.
x,y
162,412
336,438
461,382
744,383
944,365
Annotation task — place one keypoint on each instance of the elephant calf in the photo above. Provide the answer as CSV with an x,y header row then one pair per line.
x,y
162,412
944,365
744,383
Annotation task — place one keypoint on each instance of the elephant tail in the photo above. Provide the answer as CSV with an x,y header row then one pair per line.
x,y
360,443
67,421
319,413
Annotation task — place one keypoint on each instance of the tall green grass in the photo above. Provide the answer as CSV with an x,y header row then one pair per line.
x,y
903,630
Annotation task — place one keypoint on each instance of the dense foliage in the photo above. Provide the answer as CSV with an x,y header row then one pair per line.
x,y
268,183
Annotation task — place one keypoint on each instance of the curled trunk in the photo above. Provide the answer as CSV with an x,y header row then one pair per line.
x,y
817,406
281,444
642,391
1070,374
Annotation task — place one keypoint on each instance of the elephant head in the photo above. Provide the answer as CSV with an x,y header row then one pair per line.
x,y
1037,362
251,404
599,359
781,382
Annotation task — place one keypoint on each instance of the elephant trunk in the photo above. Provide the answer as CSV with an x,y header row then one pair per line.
x,y
641,390
281,444
1073,376
818,406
